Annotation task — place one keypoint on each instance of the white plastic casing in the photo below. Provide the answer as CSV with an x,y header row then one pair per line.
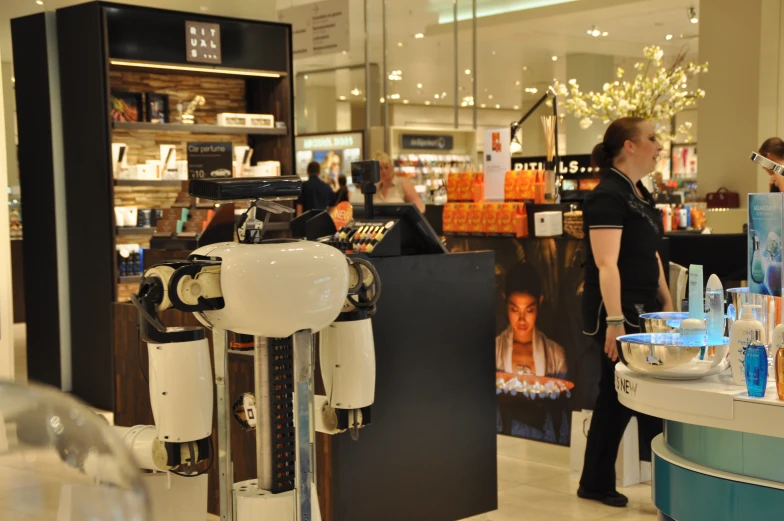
x,y
348,364
181,390
277,289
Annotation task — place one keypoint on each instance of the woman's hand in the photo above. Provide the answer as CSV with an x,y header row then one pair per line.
x,y
610,346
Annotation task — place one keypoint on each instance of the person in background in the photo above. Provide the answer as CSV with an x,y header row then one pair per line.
x,y
773,149
624,277
342,193
331,169
392,189
316,194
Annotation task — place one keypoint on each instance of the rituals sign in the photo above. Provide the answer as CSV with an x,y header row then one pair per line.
x,y
202,42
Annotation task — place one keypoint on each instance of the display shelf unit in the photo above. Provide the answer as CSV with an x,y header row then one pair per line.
x,y
198,128
129,279
94,40
134,230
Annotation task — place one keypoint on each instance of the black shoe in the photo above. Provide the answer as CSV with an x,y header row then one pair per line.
x,y
612,498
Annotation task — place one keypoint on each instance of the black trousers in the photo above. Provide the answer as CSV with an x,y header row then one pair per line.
x,y
608,424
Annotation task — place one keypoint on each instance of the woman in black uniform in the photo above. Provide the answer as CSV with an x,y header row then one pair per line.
x,y
623,278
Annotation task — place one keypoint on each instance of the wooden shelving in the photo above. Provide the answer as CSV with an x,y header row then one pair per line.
x,y
130,279
134,230
197,128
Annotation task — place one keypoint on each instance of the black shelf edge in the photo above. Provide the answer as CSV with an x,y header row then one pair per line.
x,y
130,279
131,230
146,182
197,128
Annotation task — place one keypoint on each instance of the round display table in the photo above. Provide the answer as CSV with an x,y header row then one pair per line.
x,y
721,456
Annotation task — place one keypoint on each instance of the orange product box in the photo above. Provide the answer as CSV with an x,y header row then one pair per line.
x,y
509,184
490,217
524,186
505,216
452,182
478,192
465,186
448,217
461,218
475,213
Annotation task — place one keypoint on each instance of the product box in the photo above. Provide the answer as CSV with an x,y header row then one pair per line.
x,y
461,218
766,219
451,186
465,187
476,224
519,185
489,211
448,218
505,217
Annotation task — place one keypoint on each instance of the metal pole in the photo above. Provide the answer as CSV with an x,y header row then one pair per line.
x,y
473,70
303,405
220,339
454,32
386,78
367,82
261,378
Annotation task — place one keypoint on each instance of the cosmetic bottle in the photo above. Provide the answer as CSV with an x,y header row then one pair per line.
x,y
683,220
756,367
777,348
757,273
742,331
693,328
714,314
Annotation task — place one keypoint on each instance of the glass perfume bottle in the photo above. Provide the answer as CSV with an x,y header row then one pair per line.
x,y
757,273
756,367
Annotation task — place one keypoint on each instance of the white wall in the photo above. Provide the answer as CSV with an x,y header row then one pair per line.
x,y
6,303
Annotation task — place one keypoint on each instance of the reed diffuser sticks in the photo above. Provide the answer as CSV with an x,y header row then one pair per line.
x,y
548,122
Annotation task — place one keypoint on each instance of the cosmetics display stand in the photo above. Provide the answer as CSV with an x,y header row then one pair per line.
x,y
105,50
718,443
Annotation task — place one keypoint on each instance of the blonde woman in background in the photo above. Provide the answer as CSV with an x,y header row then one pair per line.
x,y
391,189
330,169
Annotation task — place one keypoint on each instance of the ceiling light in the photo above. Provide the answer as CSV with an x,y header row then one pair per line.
x,y
435,96
382,100
394,96
692,14
464,104
400,44
427,103
419,36
405,102
483,105
345,52
525,68
355,91
668,37
468,71
490,96
493,53
203,8
419,85
342,98
41,2
192,68
516,107
605,33
498,106
306,76
517,83
443,95
555,58
395,75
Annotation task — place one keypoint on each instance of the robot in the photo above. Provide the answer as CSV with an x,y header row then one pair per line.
x,y
283,293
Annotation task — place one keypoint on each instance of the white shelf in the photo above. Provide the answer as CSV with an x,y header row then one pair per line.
x,y
713,401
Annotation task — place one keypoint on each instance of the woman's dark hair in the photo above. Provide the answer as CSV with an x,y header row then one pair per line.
x,y
619,131
342,180
772,147
523,278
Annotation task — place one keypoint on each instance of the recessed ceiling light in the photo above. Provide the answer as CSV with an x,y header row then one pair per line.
x,y
483,105
493,53
464,104
394,96
516,107
517,83
435,96
605,33
555,58
345,52
525,68
382,100
405,102
203,8
342,98
400,44
355,91
419,85
497,106
443,95
419,36
692,14
306,76
468,71
668,37
427,103
490,96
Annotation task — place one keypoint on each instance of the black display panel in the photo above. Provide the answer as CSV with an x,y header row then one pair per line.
x,y
153,35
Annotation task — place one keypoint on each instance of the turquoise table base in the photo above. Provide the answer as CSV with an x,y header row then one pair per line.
x,y
702,473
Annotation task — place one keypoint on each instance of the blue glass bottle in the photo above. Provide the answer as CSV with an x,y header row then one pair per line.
x,y
756,365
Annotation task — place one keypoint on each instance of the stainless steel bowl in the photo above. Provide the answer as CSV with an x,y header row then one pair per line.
x,y
671,357
664,322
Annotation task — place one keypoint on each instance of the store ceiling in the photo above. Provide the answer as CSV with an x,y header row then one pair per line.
x,y
516,40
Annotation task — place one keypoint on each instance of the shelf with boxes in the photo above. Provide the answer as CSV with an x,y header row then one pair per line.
x,y
197,128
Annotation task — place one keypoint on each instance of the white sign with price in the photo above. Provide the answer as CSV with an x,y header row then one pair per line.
x,y
498,160
318,28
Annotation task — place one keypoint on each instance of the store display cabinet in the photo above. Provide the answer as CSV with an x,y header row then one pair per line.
x,y
68,65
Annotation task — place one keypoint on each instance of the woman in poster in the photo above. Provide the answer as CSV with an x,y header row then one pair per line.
x,y
523,349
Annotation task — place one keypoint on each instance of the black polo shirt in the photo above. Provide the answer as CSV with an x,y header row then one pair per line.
x,y
615,204
316,195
